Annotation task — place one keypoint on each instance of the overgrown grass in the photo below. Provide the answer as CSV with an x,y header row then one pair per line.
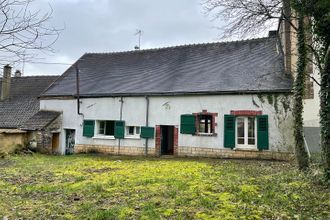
x,y
103,187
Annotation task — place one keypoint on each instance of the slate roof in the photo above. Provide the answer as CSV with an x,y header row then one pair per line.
x,y
23,101
40,120
249,66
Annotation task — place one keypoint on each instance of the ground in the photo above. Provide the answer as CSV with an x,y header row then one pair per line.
x,y
104,187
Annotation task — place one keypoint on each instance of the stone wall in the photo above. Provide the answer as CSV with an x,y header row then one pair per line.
x,y
11,142
44,138
113,150
187,152
239,154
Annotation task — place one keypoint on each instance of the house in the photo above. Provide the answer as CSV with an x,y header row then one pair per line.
x,y
230,100
18,103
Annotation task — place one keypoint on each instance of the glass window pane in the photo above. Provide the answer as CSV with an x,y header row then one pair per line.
x,y
101,127
205,124
240,127
240,140
202,125
110,128
251,127
131,130
137,130
252,141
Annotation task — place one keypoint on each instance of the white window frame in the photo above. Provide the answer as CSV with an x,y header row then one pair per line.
x,y
246,129
97,130
135,135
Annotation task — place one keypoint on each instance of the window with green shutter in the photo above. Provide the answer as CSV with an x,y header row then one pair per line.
x,y
119,129
88,129
188,124
147,132
262,134
229,131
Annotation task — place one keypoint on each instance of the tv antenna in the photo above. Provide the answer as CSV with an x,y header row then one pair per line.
x,y
139,33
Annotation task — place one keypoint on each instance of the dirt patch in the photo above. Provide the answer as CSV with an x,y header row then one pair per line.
x,y
102,170
30,179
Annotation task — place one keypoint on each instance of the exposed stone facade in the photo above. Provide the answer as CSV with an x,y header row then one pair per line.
x,y
187,152
113,150
44,137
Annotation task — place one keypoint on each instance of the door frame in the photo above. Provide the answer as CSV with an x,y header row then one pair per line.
x,y
158,140
66,152
246,133
169,148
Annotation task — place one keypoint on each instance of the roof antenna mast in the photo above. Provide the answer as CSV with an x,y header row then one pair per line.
x,y
139,33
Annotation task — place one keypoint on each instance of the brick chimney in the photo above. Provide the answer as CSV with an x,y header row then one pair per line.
x,y
5,88
18,73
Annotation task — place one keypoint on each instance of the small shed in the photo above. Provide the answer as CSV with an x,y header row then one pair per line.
x,y
44,131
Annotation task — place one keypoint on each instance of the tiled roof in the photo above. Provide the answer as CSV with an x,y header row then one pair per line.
x,y
249,66
23,101
40,120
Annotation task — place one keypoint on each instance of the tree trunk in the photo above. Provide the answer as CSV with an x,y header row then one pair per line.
x,y
299,85
325,113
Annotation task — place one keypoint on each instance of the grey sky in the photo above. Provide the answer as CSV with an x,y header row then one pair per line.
x,y
109,25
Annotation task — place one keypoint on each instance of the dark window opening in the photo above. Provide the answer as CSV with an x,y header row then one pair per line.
x,y
107,128
205,123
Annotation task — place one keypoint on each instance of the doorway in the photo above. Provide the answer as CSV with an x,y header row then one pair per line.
x,y
69,141
55,143
167,140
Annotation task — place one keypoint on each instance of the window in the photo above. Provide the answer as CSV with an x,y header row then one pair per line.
x,y
205,124
132,131
106,128
246,131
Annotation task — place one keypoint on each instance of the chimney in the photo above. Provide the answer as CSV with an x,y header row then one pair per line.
x,y
5,88
272,34
18,73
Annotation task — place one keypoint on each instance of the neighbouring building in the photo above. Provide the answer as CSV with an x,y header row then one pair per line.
x,y
229,100
288,36
18,103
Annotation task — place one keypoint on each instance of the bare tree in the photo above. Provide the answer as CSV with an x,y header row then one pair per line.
x,y
244,17
24,30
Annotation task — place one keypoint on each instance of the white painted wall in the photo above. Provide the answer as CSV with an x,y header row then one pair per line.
x,y
167,111
312,106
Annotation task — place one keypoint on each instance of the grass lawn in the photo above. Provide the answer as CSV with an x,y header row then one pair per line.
x,y
104,187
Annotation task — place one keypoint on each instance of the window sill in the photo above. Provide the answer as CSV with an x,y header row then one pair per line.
x,y
104,137
206,134
247,148
132,137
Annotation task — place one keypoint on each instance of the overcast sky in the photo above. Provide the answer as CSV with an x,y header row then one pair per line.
x,y
110,25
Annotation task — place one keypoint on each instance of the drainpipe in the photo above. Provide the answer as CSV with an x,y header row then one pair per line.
x,y
120,118
77,88
147,123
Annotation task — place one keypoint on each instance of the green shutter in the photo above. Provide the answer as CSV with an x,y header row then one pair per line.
x,y
119,129
188,125
262,135
229,131
147,132
88,129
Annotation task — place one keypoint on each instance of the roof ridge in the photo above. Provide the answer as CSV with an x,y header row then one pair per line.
x,y
178,46
31,76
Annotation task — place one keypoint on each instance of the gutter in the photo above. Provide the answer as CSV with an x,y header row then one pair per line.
x,y
120,118
147,123
285,91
